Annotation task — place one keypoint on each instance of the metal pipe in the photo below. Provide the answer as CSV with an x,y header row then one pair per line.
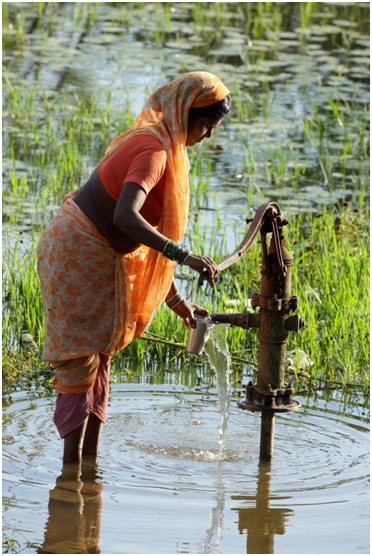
x,y
221,318
243,320
267,435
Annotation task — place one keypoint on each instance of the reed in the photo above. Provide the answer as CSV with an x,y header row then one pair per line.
x,y
330,276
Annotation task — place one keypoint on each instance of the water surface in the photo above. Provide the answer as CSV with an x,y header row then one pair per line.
x,y
161,485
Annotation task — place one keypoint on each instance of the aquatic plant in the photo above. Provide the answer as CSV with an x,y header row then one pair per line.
x,y
330,273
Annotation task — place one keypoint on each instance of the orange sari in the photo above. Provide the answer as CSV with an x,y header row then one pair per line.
x,y
97,300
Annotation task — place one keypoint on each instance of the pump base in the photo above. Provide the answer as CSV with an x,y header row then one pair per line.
x,y
277,400
256,406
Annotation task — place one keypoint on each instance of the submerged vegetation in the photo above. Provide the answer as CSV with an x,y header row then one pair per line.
x,y
76,74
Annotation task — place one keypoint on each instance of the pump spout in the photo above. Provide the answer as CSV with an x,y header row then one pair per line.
x,y
242,320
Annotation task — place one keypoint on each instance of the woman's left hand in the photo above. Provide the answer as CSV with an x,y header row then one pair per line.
x,y
186,310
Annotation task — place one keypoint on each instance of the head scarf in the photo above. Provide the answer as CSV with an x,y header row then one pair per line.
x,y
165,116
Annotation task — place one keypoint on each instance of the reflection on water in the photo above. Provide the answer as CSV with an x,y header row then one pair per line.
x,y
167,490
260,522
75,505
74,508
213,534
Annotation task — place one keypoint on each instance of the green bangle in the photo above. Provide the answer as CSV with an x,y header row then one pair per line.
x,y
176,252
175,305
165,247
182,258
171,249
182,254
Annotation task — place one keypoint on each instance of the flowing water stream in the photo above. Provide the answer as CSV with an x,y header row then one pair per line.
x,y
219,358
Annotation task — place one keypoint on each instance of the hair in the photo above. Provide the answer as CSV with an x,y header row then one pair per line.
x,y
216,110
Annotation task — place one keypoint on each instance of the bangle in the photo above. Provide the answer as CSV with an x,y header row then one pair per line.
x,y
178,302
171,249
176,299
176,252
182,254
172,298
183,257
165,247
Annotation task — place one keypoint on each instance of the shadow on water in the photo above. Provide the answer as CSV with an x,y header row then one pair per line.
x,y
75,506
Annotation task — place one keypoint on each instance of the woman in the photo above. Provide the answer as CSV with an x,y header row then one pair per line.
x,y
106,261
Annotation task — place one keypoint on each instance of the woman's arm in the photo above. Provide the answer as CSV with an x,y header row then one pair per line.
x,y
172,291
187,309
128,219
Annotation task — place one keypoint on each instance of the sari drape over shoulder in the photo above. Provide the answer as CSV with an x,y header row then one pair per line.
x,y
97,300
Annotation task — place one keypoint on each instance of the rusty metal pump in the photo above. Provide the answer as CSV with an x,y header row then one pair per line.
x,y
273,321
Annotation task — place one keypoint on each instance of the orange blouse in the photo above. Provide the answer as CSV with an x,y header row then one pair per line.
x,y
142,160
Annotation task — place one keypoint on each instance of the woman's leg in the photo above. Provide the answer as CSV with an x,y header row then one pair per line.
x,y
71,418
92,435
79,417
98,414
73,445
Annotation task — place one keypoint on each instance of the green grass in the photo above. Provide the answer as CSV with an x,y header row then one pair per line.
x,y
22,301
23,369
330,275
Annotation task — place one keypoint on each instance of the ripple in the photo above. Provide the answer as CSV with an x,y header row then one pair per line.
x,y
162,442
314,448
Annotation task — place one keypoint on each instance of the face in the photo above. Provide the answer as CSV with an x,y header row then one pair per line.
x,y
199,129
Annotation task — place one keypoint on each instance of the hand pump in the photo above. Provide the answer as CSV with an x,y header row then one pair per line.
x,y
273,321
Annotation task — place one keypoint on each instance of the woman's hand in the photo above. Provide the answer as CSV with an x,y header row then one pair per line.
x,y
186,310
201,263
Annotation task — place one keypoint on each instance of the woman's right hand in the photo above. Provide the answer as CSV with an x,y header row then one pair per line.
x,y
201,263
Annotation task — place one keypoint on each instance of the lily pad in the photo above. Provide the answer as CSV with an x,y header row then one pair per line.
x,y
179,45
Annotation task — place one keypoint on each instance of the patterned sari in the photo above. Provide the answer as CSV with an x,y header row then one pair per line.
x,y
97,300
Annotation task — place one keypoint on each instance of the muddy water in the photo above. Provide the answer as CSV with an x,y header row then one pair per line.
x,y
161,486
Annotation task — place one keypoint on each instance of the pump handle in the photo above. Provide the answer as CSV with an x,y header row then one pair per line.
x,y
203,276
247,241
